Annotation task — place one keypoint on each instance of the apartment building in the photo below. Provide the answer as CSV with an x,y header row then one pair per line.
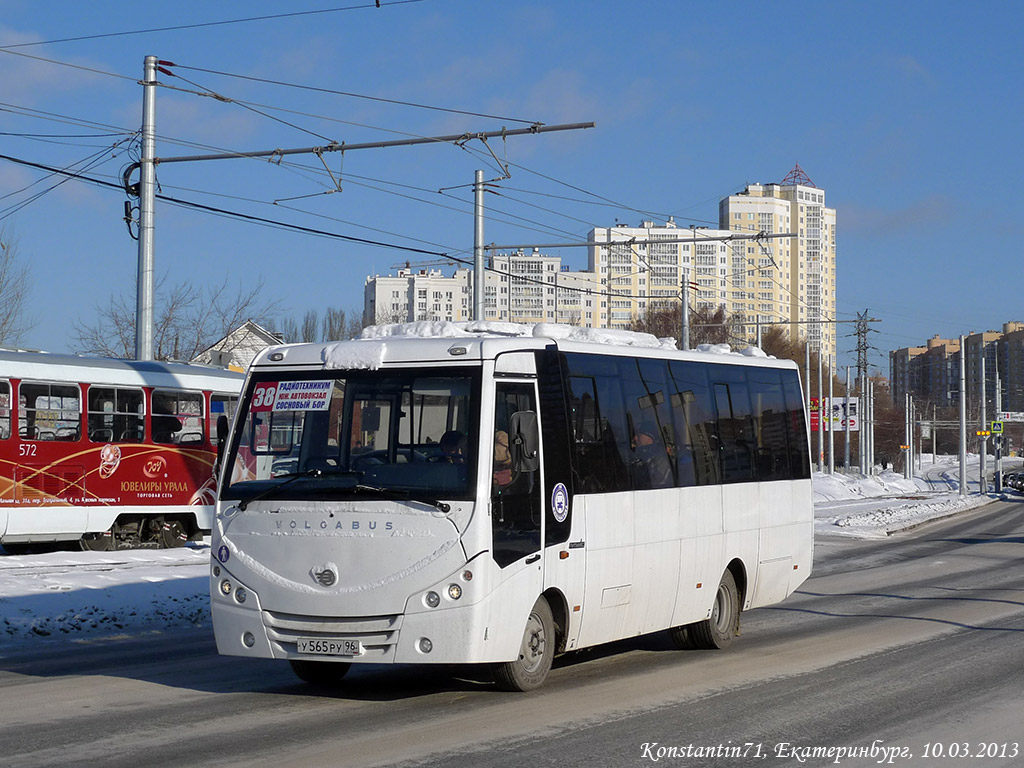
x,y
932,373
521,287
786,279
642,268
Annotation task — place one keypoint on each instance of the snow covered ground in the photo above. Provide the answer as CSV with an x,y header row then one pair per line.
x,y
81,595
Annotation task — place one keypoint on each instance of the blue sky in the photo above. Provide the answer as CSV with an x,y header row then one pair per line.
x,y
907,114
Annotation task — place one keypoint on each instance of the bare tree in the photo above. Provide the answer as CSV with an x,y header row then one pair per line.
x,y
707,325
186,320
13,292
310,323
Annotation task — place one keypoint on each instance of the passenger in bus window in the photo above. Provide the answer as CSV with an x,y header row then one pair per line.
x,y
654,470
452,445
502,461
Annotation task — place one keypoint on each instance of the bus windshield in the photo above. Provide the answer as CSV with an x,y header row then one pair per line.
x,y
329,435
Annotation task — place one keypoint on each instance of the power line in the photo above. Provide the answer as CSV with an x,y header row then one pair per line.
x,y
200,25
350,94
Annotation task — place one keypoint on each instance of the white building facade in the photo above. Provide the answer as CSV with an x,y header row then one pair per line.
x,y
522,287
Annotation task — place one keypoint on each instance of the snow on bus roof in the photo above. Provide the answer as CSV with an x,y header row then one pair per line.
x,y
367,351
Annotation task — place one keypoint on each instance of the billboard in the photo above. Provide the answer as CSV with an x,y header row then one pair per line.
x,y
836,417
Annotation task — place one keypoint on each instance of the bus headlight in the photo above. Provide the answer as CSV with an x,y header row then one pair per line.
x,y
225,587
432,599
425,645
454,591
241,594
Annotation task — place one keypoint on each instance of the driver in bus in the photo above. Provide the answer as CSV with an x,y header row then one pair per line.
x,y
452,447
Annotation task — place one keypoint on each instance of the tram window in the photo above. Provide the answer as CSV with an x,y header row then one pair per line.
x,y
225,405
115,415
177,417
5,410
49,411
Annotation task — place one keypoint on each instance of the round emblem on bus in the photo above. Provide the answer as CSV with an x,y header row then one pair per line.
x,y
560,502
325,575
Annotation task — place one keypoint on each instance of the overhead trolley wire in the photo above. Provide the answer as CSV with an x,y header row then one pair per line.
x,y
199,25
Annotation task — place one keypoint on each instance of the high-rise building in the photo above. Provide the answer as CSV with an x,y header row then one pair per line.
x,y
791,280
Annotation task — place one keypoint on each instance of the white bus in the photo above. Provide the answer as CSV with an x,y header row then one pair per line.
x,y
446,496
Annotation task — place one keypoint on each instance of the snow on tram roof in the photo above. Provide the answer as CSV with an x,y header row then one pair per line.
x,y
369,349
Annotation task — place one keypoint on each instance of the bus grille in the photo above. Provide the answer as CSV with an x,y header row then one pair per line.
x,y
378,634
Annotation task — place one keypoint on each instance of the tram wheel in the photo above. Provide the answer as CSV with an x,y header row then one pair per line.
x,y
98,542
172,534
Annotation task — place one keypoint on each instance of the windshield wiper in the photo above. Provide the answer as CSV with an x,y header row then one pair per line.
x,y
407,494
290,478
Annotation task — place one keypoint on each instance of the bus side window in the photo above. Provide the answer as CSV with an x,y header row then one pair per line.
x,y
5,410
771,417
695,412
800,457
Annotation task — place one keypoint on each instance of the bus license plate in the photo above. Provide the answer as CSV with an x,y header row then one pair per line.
x,y
331,647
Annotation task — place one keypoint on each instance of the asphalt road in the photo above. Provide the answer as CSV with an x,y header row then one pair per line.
x,y
913,644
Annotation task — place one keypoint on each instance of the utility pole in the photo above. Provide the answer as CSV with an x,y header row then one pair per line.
x,y
821,410
982,440
807,380
147,206
846,447
146,190
831,423
998,438
963,418
478,247
684,292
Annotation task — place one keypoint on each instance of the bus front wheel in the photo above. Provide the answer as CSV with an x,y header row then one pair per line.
x,y
718,630
326,673
536,652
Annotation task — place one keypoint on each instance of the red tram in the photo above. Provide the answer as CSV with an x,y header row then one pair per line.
x,y
111,453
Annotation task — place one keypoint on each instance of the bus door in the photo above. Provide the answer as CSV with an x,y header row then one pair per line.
x,y
516,508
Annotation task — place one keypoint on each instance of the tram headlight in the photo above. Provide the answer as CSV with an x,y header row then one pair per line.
x,y
241,594
432,599
454,591
225,587
425,645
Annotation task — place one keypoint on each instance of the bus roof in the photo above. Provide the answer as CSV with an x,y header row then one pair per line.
x,y
452,343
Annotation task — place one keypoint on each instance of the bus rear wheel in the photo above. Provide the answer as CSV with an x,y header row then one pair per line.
x,y
326,673
536,652
718,630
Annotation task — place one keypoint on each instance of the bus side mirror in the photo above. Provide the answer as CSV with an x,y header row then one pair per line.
x,y
524,441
